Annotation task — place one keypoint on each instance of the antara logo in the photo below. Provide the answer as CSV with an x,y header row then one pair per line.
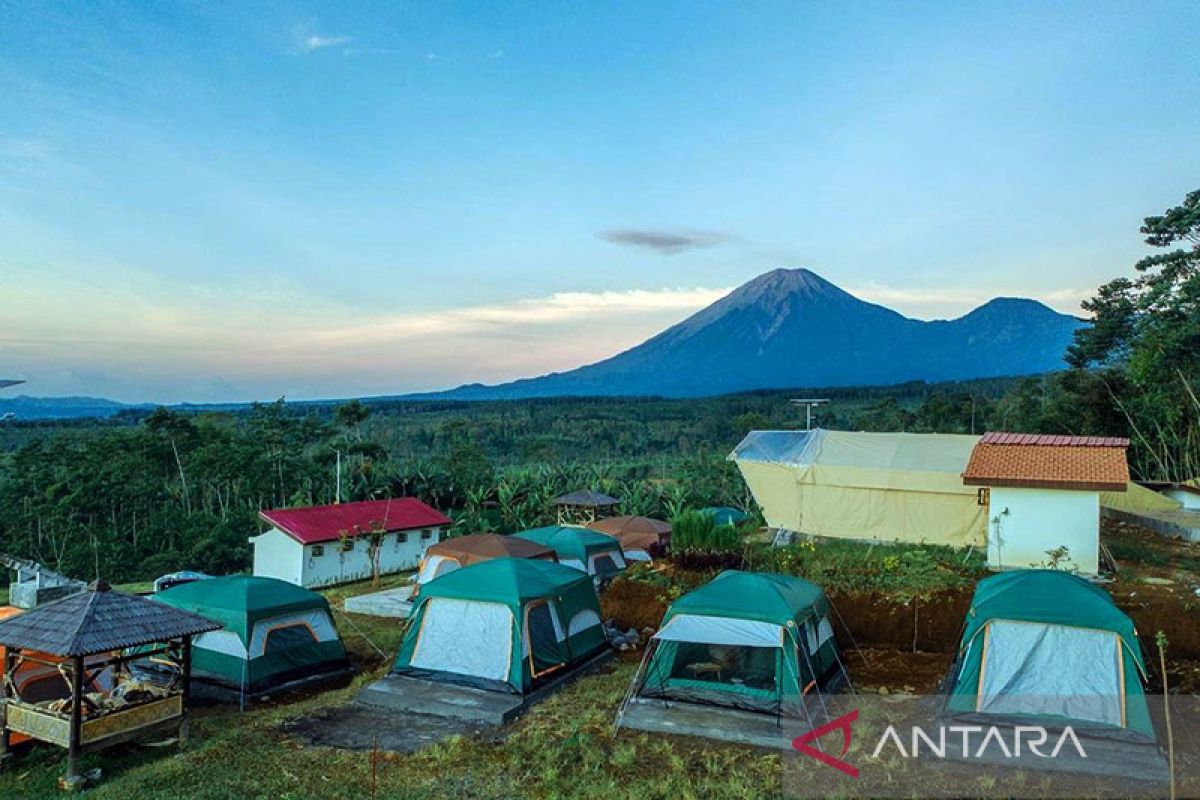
x,y
953,740
842,723
1032,737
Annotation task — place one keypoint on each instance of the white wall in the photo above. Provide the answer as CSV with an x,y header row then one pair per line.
x,y
398,552
1024,523
277,555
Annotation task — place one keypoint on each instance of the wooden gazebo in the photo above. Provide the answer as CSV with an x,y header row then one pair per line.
x,y
87,638
584,506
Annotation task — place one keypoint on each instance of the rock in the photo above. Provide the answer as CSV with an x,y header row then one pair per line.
x,y
884,690
1158,581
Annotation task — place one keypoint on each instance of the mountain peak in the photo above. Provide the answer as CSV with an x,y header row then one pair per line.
x,y
785,280
792,328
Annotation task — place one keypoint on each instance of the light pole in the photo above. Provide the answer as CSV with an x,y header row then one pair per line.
x,y
809,404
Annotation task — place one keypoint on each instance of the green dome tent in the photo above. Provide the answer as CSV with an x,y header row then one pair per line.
x,y
1047,646
725,515
748,640
581,548
276,635
502,625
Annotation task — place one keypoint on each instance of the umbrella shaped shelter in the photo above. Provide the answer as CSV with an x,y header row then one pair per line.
x,y
1043,646
463,551
640,537
580,548
752,641
502,625
85,634
275,636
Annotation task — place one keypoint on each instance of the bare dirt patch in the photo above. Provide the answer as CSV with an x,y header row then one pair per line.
x,y
875,671
357,727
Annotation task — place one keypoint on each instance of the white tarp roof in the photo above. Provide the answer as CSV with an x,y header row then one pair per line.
x,y
921,452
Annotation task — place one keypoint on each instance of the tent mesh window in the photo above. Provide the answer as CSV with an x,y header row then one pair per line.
x,y
752,667
288,636
605,565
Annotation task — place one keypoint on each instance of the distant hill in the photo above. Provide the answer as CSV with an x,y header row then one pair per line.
x,y
791,327
25,407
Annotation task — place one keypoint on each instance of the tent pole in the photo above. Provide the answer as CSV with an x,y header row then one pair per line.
x,y
633,686
185,721
800,646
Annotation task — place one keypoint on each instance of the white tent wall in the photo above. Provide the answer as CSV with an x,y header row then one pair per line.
x,y
865,486
467,637
1030,668
435,566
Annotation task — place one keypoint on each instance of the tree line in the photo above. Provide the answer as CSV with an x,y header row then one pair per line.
x,y
149,492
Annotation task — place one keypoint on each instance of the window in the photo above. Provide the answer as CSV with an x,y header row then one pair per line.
x,y
289,636
426,534
318,550
984,496
347,546
401,538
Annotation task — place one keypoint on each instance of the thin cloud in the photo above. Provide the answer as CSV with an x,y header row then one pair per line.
x,y
318,42
665,242
935,303
558,308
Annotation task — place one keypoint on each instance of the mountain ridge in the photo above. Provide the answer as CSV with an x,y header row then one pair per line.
x,y
792,327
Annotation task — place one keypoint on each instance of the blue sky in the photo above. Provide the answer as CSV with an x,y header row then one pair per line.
x,y
218,201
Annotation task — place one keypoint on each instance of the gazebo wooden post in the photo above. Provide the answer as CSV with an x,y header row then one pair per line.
x,y
185,719
6,675
77,679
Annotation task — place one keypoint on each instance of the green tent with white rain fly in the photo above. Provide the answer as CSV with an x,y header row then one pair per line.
x,y
1043,646
502,625
748,640
275,634
581,548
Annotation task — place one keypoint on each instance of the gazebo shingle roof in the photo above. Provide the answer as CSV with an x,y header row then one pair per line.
x,y
586,498
99,620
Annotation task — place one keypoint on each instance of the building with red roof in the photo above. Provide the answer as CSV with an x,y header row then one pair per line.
x,y
1043,496
324,545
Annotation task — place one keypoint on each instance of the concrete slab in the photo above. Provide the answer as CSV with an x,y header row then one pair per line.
x,y
712,722
395,603
406,695
1174,523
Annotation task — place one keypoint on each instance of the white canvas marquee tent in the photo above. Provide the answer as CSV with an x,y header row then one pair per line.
x,y
904,487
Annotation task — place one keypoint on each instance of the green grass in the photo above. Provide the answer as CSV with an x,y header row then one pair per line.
x,y
900,571
564,748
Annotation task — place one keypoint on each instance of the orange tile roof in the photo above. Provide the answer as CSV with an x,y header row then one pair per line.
x,y
1052,462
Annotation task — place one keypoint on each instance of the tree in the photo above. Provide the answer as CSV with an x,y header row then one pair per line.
x,y
351,416
1146,331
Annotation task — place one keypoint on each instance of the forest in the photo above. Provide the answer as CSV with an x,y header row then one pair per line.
x,y
142,494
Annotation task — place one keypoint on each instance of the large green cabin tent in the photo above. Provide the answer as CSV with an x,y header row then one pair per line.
x,y
502,625
1049,647
754,641
581,548
276,635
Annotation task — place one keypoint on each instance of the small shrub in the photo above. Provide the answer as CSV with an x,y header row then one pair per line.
x,y
693,532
